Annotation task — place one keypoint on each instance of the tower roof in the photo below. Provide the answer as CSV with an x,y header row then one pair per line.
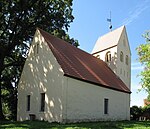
x,y
108,40
81,65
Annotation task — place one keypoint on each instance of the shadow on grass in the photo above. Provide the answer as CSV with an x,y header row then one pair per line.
x,y
90,125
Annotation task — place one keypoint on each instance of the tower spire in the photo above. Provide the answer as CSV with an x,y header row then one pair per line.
x,y
109,20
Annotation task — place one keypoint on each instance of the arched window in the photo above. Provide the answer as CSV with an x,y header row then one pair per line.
x,y
121,56
127,60
108,57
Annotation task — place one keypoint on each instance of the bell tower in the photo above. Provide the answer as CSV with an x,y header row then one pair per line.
x,y
113,48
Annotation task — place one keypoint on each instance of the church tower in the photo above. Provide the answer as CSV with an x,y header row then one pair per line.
x,y
114,49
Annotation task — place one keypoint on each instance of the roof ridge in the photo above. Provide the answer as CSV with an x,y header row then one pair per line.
x,y
120,28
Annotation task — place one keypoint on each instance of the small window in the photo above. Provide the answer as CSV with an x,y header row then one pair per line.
x,y
108,57
42,108
121,56
127,60
36,49
105,106
28,102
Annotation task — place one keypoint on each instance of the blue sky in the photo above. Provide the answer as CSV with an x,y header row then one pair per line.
x,y
91,22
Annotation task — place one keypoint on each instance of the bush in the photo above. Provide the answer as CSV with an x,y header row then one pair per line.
x,y
135,112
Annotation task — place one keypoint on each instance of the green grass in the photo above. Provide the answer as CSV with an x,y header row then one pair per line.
x,y
91,125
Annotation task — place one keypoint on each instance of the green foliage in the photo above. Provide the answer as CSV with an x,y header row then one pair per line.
x,y
144,57
146,109
148,97
89,125
135,112
19,20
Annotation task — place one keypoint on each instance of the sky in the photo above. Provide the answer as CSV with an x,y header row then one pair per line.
x,y
91,22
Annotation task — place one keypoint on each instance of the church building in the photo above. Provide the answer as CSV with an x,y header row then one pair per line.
x,y
62,83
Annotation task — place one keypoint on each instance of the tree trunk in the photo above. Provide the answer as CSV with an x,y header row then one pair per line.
x,y
1,69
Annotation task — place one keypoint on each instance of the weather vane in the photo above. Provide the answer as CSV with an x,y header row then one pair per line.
x,y
109,20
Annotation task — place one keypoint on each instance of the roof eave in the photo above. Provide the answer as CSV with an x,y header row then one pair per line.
x,y
97,84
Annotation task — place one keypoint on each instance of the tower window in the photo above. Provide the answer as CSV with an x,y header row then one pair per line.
x,y
121,56
108,57
127,60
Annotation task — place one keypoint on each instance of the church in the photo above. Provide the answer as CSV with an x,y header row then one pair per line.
x,y
62,83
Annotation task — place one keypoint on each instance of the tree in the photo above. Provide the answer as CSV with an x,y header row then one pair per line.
x,y
144,58
135,112
18,21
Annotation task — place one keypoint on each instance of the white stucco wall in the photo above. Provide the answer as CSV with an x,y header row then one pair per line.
x,y
85,102
124,70
41,73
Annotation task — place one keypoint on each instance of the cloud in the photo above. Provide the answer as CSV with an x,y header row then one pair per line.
x,y
135,12
137,66
136,87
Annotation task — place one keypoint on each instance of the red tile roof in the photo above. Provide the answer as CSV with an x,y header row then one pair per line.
x,y
81,65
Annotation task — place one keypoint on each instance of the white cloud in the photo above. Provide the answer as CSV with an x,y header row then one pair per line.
x,y
135,12
135,87
136,66
135,63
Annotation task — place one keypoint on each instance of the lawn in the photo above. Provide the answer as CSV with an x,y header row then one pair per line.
x,y
94,125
